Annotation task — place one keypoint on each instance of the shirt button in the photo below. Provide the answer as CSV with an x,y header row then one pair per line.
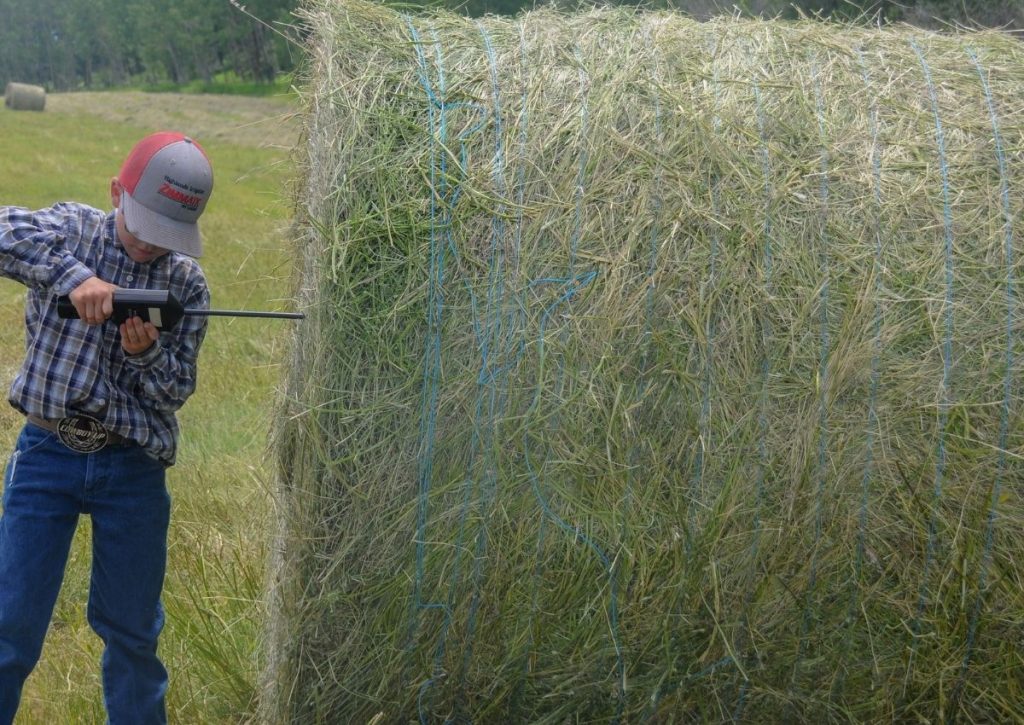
x,y
129,278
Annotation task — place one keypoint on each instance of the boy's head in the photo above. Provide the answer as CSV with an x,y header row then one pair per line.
x,y
162,190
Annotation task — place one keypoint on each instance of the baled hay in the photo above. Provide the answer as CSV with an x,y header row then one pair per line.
x,y
654,370
24,97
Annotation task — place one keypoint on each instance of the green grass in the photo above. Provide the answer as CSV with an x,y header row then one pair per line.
x,y
224,84
220,520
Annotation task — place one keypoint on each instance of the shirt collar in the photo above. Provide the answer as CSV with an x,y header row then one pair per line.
x,y
110,229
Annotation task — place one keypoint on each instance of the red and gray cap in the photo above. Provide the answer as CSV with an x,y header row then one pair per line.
x,y
167,180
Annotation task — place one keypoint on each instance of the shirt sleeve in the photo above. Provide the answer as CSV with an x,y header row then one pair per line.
x,y
34,248
166,372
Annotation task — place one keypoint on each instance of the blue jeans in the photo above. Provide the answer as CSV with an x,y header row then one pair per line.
x,y
46,488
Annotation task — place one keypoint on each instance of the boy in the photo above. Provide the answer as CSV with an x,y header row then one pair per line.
x,y
100,401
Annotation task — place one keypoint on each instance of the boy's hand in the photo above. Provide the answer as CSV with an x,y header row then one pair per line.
x,y
94,300
137,336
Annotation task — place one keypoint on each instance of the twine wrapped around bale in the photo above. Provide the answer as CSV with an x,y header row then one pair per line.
x,y
24,97
654,370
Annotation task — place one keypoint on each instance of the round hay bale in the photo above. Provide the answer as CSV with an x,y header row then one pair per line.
x,y
654,370
24,97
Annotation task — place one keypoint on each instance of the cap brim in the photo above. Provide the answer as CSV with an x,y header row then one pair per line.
x,y
160,231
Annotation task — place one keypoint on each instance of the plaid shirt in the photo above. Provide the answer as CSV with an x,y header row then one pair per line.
x,y
71,367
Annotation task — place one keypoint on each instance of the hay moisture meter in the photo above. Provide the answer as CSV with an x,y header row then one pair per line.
x,y
161,308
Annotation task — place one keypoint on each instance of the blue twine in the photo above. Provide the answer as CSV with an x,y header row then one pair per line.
x,y
766,330
651,710
655,235
947,359
656,204
697,484
707,377
647,342
1004,422
876,351
823,377
521,197
572,283
432,354
494,339
438,188
762,417
571,286
581,172
445,193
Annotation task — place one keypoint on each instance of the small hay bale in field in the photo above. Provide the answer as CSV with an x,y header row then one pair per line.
x,y
653,370
24,97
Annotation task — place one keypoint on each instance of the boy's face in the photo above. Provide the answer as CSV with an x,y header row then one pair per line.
x,y
134,247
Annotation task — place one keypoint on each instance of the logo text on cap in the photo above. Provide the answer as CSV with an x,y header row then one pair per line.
x,y
189,201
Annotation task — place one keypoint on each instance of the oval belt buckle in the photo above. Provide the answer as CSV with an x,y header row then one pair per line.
x,y
82,433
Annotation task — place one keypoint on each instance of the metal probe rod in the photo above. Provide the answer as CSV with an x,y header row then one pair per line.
x,y
245,313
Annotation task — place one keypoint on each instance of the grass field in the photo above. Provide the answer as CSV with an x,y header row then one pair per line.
x,y
222,503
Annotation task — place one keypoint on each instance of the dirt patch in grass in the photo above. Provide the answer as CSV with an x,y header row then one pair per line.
x,y
259,122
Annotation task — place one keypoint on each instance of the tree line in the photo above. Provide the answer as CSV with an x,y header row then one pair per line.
x,y
1008,14
69,44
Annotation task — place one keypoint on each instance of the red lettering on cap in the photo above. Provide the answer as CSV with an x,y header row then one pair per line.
x,y
189,201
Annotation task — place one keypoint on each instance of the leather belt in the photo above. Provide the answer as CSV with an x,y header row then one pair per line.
x,y
81,433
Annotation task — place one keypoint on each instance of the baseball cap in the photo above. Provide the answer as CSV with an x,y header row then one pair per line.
x,y
167,180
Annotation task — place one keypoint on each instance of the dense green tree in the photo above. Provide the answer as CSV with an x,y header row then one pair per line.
x,y
985,13
65,44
